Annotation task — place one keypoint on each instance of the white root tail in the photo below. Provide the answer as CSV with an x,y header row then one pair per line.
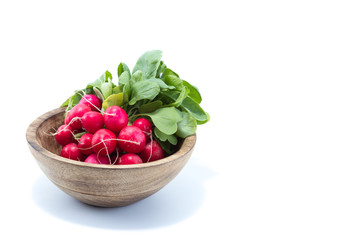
x,y
151,145
64,129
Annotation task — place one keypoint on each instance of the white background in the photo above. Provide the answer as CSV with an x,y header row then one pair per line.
x,y
279,158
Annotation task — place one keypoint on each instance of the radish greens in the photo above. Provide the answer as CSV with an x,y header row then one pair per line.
x,y
154,91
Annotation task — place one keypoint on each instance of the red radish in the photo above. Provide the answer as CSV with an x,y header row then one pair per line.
x,y
103,142
129,158
131,139
84,144
92,101
73,117
144,125
93,158
64,135
71,151
92,121
152,152
115,118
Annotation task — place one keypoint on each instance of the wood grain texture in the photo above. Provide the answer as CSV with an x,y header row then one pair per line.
x,y
95,184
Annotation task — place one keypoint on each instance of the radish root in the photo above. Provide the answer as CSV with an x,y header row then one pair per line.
x,y
64,129
151,148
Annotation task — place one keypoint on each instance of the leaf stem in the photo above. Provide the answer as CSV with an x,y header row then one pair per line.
x,y
135,116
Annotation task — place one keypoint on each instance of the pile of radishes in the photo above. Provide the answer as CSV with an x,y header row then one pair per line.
x,y
140,118
106,137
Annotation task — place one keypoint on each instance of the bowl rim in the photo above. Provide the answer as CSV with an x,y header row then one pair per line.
x,y
187,146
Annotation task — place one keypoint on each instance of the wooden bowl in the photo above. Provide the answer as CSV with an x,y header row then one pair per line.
x,y
95,184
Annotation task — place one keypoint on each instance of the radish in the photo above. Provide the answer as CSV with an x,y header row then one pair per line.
x,y
92,121
73,117
71,151
84,144
129,158
103,142
92,101
152,152
131,139
145,126
64,135
93,158
115,118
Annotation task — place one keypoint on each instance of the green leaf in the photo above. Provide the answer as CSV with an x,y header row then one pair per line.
x,y
143,90
127,92
79,135
187,126
205,121
73,100
161,83
189,105
168,72
122,68
165,119
104,78
117,89
171,78
148,63
166,146
106,89
194,109
136,77
66,103
164,137
160,69
150,107
124,78
113,100
96,84
76,98
176,97
193,92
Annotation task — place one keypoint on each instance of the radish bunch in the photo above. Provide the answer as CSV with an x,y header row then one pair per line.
x,y
141,117
106,137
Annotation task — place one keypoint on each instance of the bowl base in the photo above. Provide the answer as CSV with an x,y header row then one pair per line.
x,y
104,201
